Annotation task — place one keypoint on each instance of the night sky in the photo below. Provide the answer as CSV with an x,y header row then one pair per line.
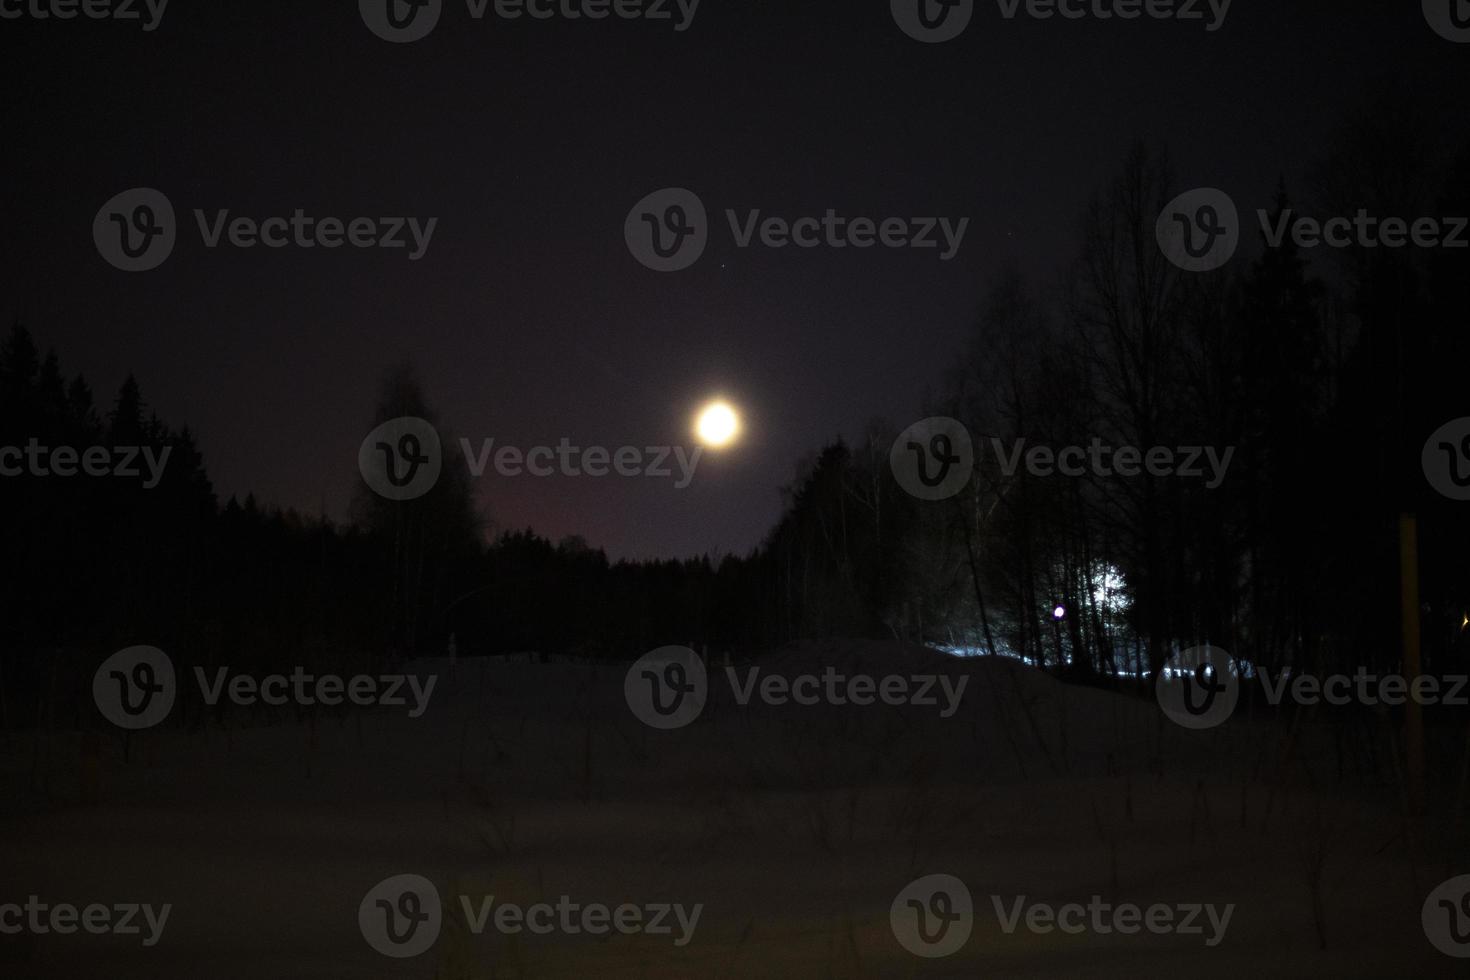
x,y
528,319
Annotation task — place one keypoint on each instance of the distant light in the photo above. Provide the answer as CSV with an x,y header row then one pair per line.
x,y
1060,612
718,425
1109,590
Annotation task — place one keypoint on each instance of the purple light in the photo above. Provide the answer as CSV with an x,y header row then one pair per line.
x,y
1060,612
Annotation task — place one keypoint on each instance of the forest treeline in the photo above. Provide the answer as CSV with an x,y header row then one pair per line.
x,y
1324,373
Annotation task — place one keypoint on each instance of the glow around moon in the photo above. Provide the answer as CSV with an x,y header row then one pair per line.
x,y
718,425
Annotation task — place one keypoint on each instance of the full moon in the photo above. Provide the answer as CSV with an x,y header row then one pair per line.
x,y
718,425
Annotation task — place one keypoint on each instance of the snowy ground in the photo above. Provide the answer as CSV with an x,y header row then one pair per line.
x,y
794,827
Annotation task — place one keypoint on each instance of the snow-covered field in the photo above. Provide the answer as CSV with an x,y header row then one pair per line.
x,y
793,827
